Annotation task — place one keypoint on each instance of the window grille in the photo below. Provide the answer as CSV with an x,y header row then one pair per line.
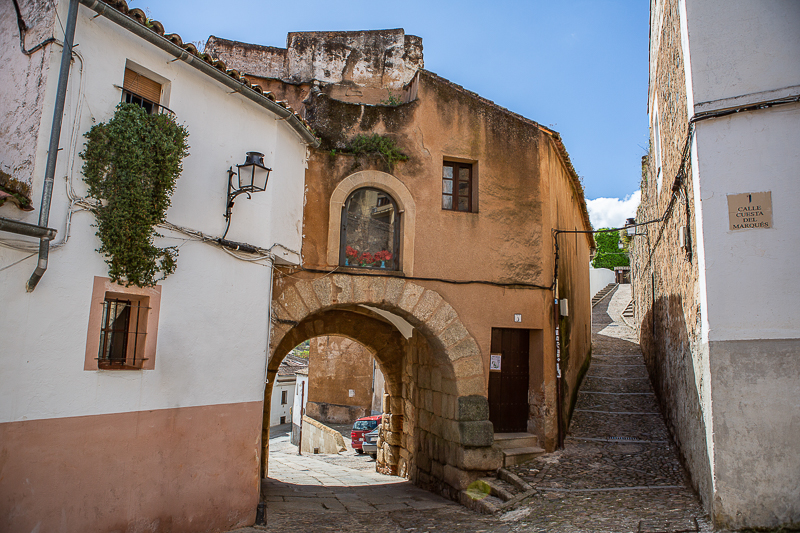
x,y
122,333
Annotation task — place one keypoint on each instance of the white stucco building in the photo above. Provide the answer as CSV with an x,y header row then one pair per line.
x,y
717,296
174,441
283,391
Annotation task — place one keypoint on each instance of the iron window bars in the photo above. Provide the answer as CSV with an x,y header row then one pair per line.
x,y
122,334
130,97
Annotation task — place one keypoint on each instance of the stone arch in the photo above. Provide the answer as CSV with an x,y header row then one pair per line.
x,y
383,340
392,186
436,420
425,309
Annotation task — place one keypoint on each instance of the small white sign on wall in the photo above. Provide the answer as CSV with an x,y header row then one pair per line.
x,y
351,392
518,317
495,362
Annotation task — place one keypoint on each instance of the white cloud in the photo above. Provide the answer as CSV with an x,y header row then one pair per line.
x,y
612,212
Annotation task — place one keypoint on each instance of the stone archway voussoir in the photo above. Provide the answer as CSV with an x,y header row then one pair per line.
x,y
306,291
323,290
393,292
454,334
427,304
471,386
291,301
443,316
468,366
341,289
465,348
411,295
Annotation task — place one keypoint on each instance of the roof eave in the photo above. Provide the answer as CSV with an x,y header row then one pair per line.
x,y
168,46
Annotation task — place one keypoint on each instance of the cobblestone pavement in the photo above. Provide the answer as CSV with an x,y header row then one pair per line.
x,y
618,472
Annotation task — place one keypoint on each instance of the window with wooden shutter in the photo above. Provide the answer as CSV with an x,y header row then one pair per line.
x,y
141,90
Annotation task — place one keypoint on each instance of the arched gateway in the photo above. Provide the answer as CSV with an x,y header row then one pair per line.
x,y
437,430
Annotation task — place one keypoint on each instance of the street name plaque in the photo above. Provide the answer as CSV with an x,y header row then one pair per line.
x,y
750,210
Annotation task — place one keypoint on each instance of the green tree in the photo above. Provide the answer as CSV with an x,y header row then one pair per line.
x,y
608,254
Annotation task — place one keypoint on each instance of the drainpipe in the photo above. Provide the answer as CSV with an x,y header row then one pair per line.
x,y
55,137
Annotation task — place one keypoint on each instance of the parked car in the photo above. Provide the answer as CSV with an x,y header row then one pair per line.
x,y
370,443
360,428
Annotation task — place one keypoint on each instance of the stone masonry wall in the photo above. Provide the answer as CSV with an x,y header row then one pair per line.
x,y
665,274
22,84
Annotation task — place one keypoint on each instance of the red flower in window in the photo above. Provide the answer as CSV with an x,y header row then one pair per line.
x,y
383,255
351,252
366,259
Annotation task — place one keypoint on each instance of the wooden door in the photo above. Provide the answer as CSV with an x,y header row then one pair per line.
x,y
508,388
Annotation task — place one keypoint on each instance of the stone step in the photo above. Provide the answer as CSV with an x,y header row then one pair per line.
x,y
628,312
477,500
515,440
499,488
517,456
602,293
519,484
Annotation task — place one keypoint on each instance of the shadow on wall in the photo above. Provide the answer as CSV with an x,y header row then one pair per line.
x,y
668,353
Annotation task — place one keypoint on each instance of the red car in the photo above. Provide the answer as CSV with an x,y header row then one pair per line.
x,y
362,426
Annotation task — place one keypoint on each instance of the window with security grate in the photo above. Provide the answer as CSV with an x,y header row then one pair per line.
x,y
122,334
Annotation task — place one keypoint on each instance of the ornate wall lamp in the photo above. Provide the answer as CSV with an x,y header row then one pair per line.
x,y
253,176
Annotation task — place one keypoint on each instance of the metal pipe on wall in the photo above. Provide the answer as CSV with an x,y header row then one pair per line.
x,y
55,137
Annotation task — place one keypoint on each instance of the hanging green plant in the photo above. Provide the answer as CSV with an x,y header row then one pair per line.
x,y
131,165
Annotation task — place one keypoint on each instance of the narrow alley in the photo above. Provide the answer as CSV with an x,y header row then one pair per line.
x,y
618,472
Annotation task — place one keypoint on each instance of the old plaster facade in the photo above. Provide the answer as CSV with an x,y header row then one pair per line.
x,y
346,383
170,443
459,281
716,305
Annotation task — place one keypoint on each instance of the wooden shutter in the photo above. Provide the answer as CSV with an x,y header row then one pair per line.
x,y
142,86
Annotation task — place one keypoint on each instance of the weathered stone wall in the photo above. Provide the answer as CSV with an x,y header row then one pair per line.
x,y
23,81
665,274
353,66
319,438
336,366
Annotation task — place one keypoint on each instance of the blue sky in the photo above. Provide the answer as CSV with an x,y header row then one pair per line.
x,y
578,66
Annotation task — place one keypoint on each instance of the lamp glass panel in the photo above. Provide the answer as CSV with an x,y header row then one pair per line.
x,y
260,175
246,177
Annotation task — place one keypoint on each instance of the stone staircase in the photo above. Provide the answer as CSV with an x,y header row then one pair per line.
x,y
628,312
517,448
603,293
490,495
493,495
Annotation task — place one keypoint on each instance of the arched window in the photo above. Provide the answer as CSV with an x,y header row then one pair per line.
x,y
370,235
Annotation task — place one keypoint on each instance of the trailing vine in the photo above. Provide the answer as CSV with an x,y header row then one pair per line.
x,y
131,165
379,145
